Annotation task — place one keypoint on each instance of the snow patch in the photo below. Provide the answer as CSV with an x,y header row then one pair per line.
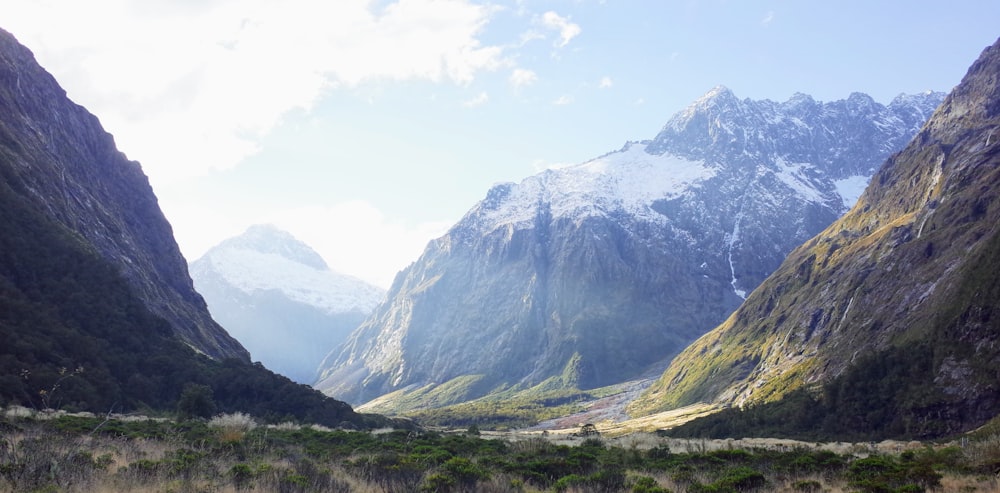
x,y
733,238
851,188
791,174
629,180
251,271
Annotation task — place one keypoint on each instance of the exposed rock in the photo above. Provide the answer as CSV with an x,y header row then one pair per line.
x,y
585,276
68,167
914,262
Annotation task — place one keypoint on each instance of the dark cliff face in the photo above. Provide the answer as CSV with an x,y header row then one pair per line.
x,y
96,310
910,270
67,166
569,280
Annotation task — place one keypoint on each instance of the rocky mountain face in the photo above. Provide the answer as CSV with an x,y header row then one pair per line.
x,y
586,276
896,304
278,297
68,167
97,312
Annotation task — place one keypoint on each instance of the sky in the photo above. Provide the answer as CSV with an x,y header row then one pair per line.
x,y
365,128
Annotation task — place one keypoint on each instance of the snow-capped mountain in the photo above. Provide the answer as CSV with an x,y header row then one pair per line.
x,y
884,325
588,275
278,297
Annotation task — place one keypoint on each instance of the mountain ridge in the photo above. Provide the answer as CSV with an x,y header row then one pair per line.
x,y
898,279
554,274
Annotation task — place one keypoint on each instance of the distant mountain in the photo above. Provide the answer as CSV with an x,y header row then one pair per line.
x,y
888,322
586,276
278,297
97,311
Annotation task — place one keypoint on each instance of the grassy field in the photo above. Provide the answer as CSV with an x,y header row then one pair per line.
x,y
77,453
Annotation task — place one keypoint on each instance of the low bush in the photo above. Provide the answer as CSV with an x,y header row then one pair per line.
x,y
87,453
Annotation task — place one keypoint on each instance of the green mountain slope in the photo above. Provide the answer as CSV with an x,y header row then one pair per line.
x,y
96,310
885,323
69,170
76,337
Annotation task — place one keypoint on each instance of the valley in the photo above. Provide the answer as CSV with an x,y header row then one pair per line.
x,y
764,296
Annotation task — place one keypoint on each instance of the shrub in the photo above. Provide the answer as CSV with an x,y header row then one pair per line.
x,y
807,485
646,484
742,478
879,473
566,482
242,475
232,427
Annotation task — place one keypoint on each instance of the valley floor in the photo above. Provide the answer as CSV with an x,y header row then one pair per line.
x,y
56,451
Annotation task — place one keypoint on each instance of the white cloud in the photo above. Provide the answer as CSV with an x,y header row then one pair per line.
x,y
190,87
356,238
529,36
605,82
521,77
563,100
480,99
768,18
567,30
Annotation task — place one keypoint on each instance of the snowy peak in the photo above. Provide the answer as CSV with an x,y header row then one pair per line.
x,y
914,109
558,276
859,103
267,258
707,121
897,297
629,181
266,238
822,153
839,136
719,97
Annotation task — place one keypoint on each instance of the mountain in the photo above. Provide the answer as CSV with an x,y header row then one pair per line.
x,y
278,297
589,275
97,311
69,169
886,323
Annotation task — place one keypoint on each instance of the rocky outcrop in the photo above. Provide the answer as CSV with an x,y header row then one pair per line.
x,y
588,275
61,160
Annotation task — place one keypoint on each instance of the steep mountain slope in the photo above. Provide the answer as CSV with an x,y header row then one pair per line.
x,y
585,276
67,166
895,304
96,310
278,297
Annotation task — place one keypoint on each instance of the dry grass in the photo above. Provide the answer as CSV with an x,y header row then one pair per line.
x,y
46,460
232,427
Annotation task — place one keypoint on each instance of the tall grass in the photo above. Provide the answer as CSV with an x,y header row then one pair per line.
x,y
232,453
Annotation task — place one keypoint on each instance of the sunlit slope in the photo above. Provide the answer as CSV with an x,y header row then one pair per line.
x,y
913,266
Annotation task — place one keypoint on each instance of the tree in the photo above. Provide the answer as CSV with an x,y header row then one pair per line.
x,y
195,402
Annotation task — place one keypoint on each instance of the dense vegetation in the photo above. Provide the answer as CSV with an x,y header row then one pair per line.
x,y
886,393
75,337
882,396
233,453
